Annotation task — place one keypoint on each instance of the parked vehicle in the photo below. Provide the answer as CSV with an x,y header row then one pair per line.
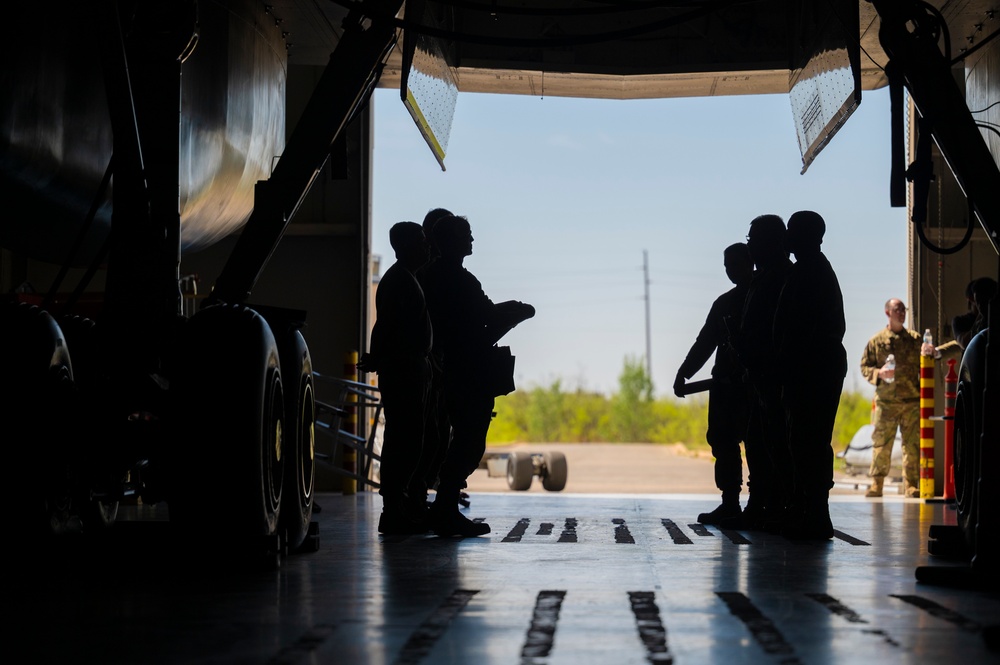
x,y
857,455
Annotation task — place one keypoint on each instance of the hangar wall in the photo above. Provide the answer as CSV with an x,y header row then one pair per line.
x,y
937,282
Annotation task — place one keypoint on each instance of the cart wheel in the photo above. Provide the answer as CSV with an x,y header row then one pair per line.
x,y
556,470
520,470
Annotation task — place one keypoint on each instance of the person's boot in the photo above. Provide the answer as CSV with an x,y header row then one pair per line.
x,y
396,521
809,521
445,520
911,490
876,488
415,508
774,518
727,515
752,518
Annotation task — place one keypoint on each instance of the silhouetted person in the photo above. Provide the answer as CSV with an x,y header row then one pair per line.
x,y
727,398
768,458
983,290
966,325
399,353
962,325
466,325
437,429
809,327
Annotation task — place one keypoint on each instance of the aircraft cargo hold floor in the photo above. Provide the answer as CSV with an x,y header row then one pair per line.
x,y
572,579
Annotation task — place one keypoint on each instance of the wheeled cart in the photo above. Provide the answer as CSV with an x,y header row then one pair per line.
x,y
520,468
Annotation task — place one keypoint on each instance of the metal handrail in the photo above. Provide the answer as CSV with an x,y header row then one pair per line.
x,y
362,398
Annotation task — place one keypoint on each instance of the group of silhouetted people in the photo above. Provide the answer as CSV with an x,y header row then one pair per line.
x,y
433,346
779,371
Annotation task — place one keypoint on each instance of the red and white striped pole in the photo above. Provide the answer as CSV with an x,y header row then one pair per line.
x,y
950,397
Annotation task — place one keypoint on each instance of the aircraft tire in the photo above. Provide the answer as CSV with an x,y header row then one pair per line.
x,y
520,471
37,398
82,339
968,429
966,467
556,472
226,466
300,444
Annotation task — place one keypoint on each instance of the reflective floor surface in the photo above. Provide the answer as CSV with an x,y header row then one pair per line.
x,y
561,579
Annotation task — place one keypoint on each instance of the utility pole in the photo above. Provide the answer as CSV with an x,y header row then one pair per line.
x,y
645,276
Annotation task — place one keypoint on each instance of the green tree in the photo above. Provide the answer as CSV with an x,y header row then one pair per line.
x,y
587,418
552,414
546,412
854,411
632,417
510,424
681,421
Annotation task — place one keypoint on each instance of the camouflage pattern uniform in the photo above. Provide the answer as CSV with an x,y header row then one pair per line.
x,y
897,404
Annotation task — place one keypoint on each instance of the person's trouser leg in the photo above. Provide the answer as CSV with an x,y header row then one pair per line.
x,y
811,413
437,431
402,397
470,417
728,413
909,425
782,481
470,413
760,475
403,389
886,422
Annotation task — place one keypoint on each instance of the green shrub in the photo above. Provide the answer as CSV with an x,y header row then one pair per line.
x,y
553,414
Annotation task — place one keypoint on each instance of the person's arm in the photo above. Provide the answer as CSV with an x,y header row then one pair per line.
x,y
870,365
705,344
505,316
949,350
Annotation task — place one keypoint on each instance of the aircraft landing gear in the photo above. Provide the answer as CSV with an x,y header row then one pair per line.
x,y
300,442
36,400
228,452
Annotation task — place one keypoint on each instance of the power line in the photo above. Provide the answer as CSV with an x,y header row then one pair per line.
x,y
645,277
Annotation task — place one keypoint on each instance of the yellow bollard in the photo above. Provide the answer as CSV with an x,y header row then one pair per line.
x,y
350,426
926,427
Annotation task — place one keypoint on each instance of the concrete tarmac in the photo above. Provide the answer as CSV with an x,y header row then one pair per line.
x,y
561,579
634,468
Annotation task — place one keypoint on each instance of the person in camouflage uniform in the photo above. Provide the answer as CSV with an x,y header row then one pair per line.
x,y
897,397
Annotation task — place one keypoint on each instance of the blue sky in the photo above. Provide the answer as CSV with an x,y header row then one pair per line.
x,y
563,196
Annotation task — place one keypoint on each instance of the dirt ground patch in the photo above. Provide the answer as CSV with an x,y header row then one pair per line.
x,y
629,468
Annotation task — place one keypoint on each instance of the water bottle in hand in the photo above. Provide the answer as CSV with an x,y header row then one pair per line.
x,y
890,363
928,349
